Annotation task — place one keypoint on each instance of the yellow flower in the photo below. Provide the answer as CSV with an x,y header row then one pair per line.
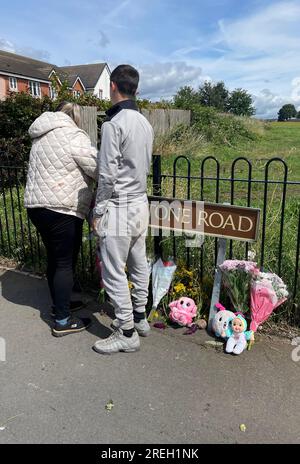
x,y
179,288
189,273
130,285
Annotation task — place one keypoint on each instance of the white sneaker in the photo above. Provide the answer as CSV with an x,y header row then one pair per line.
x,y
142,327
118,342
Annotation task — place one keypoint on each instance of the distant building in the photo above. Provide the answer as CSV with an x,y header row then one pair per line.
x,y
94,78
22,74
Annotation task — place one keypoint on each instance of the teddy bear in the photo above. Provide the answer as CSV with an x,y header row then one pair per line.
x,y
221,320
237,335
183,311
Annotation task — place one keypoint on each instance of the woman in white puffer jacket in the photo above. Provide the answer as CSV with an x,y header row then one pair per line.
x,y
61,173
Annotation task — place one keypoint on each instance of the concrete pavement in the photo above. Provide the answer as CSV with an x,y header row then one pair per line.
x,y
176,390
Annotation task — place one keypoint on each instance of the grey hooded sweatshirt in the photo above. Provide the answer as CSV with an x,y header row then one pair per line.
x,y
124,157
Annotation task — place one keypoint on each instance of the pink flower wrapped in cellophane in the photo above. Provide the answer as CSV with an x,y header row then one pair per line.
x,y
237,276
234,264
267,293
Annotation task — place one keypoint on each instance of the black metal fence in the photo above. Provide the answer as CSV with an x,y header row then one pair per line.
x,y
19,241
271,190
278,247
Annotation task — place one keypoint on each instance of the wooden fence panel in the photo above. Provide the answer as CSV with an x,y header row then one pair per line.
x,y
163,120
179,117
89,122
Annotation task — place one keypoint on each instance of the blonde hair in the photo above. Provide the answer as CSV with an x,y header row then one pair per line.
x,y
72,110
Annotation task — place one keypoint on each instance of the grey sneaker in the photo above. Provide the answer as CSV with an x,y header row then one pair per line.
x,y
118,342
142,327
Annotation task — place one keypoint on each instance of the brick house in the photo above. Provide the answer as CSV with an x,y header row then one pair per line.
x,y
94,78
22,74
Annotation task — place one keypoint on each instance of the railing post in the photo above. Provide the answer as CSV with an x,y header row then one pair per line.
x,y
217,282
156,191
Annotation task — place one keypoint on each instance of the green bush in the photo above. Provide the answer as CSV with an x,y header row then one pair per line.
x,y
220,128
181,140
17,113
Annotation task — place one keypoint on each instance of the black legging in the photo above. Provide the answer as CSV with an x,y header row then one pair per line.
x,y
61,235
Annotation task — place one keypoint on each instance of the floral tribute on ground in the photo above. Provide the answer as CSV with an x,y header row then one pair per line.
x,y
250,291
179,300
177,296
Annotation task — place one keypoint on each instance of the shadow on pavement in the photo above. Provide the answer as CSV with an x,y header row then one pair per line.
x,y
32,293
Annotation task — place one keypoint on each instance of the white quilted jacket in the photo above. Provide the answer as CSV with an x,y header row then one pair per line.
x,y
62,165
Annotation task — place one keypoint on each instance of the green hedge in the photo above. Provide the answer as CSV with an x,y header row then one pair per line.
x,y
220,128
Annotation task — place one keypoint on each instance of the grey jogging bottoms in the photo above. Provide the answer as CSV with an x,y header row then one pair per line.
x,y
122,231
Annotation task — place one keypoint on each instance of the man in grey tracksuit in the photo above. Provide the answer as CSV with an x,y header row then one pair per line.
x,y
121,211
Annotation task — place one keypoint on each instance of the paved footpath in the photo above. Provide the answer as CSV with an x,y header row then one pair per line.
x,y
176,390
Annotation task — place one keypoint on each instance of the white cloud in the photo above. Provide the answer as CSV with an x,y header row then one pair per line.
x,y
8,46
273,30
296,89
260,48
42,55
164,79
269,103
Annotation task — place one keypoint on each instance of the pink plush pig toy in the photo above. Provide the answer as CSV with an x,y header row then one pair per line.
x,y
183,311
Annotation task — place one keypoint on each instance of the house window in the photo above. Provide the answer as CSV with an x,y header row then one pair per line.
x,y
101,94
76,93
13,84
53,93
35,88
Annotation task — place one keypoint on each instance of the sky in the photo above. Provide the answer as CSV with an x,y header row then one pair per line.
x,y
249,44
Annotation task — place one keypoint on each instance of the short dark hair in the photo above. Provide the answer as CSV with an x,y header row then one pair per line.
x,y
126,78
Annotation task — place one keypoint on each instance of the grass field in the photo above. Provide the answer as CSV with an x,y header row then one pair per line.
x,y
277,139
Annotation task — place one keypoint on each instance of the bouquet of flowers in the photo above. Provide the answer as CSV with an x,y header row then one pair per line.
x,y
268,291
237,276
162,275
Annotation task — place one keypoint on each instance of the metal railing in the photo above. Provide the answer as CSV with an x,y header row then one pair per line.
x,y
277,249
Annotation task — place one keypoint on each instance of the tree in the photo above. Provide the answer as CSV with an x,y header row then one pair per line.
x,y
286,112
298,115
215,95
185,98
240,103
17,113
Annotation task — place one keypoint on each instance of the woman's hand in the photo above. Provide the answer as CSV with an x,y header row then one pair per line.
x,y
95,224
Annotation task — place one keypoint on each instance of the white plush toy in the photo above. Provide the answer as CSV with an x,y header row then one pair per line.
x,y
221,320
237,335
